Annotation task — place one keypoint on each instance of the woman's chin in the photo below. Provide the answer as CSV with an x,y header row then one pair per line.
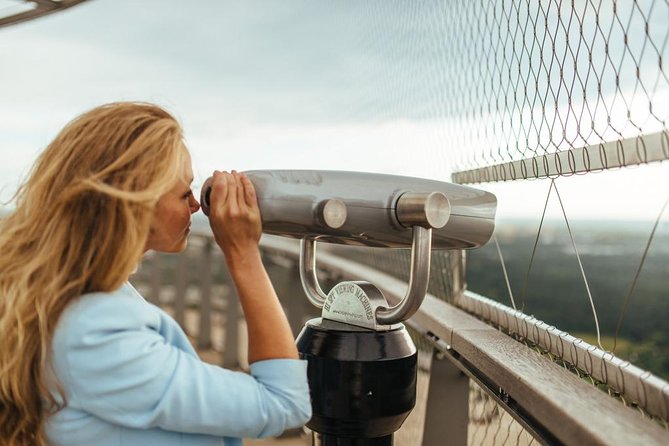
x,y
181,246
174,249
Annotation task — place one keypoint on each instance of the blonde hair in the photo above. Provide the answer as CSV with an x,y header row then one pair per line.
x,y
80,225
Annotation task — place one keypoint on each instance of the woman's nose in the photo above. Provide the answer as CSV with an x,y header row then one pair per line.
x,y
194,205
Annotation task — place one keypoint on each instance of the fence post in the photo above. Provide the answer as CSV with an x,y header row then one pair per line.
x,y
447,411
294,301
204,332
232,313
447,408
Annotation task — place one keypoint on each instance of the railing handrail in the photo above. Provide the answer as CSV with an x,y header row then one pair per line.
x,y
635,384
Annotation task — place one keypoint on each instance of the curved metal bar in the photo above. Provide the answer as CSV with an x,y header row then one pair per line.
x,y
308,273
42,8
418,280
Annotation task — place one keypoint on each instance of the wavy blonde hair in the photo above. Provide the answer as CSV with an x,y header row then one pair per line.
x,y
80,224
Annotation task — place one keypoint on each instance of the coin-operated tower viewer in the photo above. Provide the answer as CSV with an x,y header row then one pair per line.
x,y
362,363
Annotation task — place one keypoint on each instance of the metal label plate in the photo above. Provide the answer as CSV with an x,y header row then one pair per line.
x,y
354,303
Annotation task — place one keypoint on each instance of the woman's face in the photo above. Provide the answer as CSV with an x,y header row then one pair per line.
x,y
172,217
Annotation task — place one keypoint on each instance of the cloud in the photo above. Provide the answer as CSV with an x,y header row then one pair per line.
x,y
399,147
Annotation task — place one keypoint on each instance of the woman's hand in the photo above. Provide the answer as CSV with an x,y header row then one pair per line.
x,y
234,215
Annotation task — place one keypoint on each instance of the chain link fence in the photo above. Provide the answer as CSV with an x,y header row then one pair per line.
x,y
548,77
523,89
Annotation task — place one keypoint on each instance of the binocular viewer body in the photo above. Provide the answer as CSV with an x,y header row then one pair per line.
x,y
362,366
356,208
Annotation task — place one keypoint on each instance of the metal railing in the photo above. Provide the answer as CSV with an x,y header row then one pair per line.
x,y
33,9
477,383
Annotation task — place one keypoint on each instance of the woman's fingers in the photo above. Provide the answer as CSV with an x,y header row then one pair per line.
x,y
233,190
219,190
249,192
240,189
234,216
223,198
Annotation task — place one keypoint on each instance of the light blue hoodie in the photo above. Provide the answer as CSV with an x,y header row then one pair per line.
x,y
131,377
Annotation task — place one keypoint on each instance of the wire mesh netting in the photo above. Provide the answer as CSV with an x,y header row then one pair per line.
x,y
566,75
611,387
490,424
505,81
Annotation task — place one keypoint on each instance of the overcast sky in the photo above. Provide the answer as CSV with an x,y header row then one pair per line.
x,y
265,85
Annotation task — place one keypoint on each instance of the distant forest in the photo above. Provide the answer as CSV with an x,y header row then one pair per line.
x,y
556,292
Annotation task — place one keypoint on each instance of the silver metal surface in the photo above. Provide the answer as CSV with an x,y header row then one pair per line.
x,y
308,273
333,213
428,209
364,300
291,200
610,155
355,303
374,210
418,280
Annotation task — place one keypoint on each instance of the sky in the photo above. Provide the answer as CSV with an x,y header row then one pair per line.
x,y
272,85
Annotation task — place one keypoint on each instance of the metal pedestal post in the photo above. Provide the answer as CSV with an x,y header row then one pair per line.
x,y
332,440
363,382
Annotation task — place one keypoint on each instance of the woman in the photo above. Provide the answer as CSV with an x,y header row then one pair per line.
x,y
84,359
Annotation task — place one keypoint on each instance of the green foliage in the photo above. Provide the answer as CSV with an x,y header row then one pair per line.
x,y
556,292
